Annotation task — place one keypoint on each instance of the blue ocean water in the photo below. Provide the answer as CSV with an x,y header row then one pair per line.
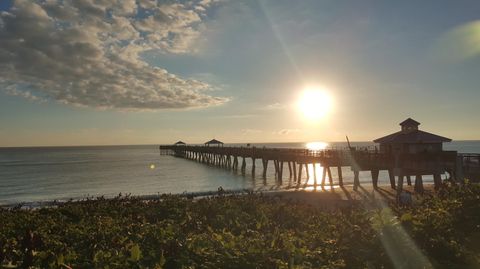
x,y
61,173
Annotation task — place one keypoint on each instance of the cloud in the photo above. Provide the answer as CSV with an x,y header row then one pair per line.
x,y
287,132
89,53
251,131
14,91
236,116
274,106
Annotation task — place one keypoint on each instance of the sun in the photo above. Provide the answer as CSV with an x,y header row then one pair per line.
x,y
315,103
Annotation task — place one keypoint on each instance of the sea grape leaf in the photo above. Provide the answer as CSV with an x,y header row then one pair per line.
x,y
135,253
406,217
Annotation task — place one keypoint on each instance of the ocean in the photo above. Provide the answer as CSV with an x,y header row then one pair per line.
x,y
32,175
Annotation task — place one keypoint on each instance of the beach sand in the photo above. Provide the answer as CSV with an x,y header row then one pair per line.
x,y
346,196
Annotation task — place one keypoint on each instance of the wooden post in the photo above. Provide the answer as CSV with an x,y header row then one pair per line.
x,y
300,166
375,173
437,181
294,171
409,180
289,170
280,175
324,175
356,179
244,164
253,166
418,184
314,174
275,164
340,176
265,166
400,183
330,179
392,178
307,171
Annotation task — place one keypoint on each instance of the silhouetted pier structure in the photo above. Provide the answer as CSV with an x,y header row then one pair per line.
x,y
404,154
298,161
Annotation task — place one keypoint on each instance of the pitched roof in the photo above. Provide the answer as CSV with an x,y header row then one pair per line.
x,y
180,143
213,141
409,121
415,136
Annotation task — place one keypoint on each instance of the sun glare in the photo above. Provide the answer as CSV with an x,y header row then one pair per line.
x,y
315,103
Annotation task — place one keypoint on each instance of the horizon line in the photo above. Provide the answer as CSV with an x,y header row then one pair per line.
x,y
124,145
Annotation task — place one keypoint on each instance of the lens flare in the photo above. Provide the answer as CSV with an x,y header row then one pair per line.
x,y
460,43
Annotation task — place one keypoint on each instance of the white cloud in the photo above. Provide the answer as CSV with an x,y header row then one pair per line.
x,y
274,106
251,131
87,53
13,90
287,131
236,116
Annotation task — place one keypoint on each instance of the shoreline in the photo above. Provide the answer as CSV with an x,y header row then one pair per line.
x,y
315,196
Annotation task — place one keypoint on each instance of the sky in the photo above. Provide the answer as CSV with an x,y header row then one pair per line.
x,y
110,72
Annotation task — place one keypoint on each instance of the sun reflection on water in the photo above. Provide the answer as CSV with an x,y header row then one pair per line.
x,y
313,177
314,181
316,145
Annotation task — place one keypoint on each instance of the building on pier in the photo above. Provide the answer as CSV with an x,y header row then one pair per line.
x,y
416,153
214,142
411,140
180,143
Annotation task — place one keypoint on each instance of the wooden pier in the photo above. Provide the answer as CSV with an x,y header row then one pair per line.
x,y
400,167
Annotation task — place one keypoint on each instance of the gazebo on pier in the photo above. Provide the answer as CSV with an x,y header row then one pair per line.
x,y
411,140
214,142
415,153
180,143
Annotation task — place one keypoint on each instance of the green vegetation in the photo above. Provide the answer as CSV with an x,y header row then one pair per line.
x,y
249,231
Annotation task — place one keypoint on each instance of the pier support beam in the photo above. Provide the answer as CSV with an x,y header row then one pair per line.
x,y
280,171
294,171
290,170
375,173
418,184
265,166
437,181
400,183
409,180
391,175
340,176
235,163
324,175
300,166
330,179
244,165
356,179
